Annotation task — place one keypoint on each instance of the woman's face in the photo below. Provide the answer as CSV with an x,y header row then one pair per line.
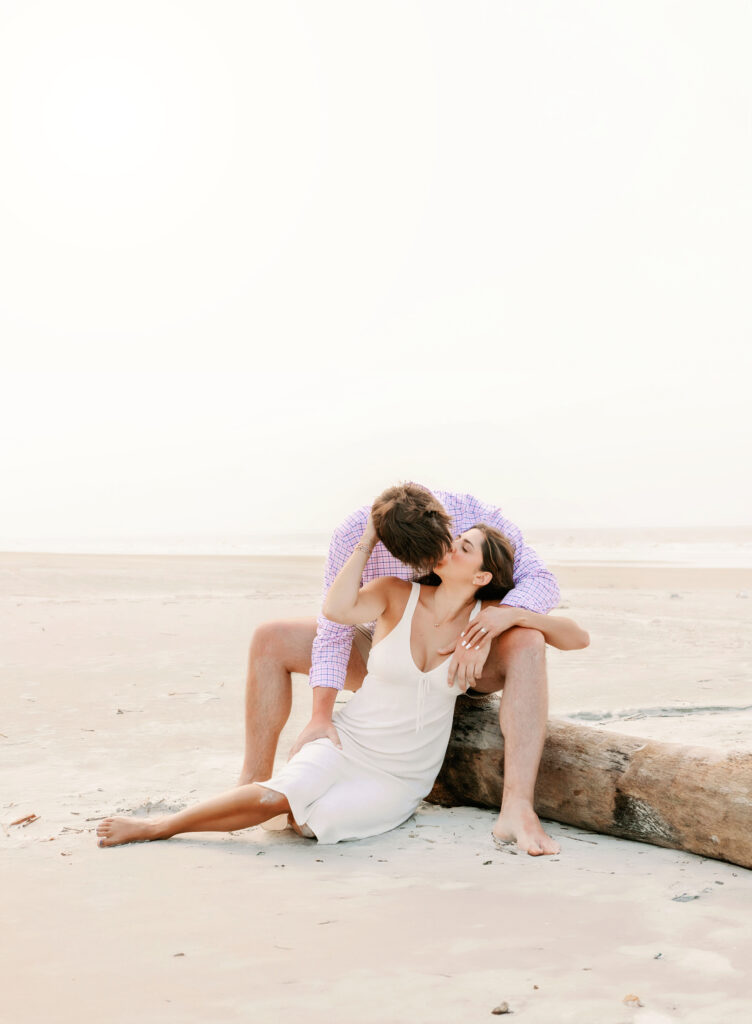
x,y
465,558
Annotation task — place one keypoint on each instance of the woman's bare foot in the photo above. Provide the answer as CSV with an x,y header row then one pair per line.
x,y
519,823
114,831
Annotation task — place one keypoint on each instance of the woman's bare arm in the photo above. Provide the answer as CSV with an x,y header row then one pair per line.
x,y
346,601
495,619
558,630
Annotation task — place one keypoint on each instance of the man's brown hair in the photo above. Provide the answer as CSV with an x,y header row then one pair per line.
x,y
413,525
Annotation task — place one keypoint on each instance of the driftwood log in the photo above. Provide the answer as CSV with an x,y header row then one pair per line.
x,y
687,798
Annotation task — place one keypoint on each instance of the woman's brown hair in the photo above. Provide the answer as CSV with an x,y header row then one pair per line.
x,y
498,559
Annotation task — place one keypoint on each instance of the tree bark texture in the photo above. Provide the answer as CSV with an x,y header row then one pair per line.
x,y
687,798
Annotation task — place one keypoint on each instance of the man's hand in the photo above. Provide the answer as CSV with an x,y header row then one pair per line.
x,y
317,729
474,645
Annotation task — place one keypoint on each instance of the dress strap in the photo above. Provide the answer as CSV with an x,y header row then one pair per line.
x,y
406,619
412,602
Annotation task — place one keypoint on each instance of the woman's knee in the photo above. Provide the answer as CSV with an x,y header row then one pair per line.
x,y
270,801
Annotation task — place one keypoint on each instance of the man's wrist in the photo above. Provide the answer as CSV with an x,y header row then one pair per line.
x,y
323,704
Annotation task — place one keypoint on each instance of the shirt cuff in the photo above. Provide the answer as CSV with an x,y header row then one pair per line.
x,y
334,684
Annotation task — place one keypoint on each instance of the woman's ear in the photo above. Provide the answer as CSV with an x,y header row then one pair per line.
x,y
482,579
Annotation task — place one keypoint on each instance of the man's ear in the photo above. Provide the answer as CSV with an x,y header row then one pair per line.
x,y
482,579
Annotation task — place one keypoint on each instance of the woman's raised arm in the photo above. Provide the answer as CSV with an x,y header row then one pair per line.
x,y
346,601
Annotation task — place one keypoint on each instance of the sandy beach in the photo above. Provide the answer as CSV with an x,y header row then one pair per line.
x,y
123,683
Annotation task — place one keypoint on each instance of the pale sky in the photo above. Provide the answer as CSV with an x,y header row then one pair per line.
x,y
260,260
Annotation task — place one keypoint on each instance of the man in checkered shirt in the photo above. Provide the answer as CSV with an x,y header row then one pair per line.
x,y
511,658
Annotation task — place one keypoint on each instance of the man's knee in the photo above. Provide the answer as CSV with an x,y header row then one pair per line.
x,y
513,646
270,639
520,639
518,646
287,644
284,642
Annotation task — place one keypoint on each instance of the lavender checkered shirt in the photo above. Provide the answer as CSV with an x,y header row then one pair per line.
x,y
535,587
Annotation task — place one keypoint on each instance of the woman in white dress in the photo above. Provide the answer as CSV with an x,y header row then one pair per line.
x,y
394,731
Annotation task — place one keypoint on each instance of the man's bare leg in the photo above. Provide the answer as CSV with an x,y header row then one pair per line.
x,y
520,657
236,809
277,650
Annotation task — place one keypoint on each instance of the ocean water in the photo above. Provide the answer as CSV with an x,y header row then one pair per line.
x,y
701,547
704,547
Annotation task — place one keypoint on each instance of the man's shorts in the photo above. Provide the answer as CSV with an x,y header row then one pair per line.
x,y
363,639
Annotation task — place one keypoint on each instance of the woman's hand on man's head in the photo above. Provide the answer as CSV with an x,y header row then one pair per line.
x,y
369,534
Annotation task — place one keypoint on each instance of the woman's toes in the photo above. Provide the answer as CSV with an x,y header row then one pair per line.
x,y
105,831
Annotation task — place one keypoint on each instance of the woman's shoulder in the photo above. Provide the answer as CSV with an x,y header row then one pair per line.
x,y
394,585
390,586
394,591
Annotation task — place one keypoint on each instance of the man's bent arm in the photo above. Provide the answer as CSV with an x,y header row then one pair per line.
x,y
330,655
320,725
333,642
323,703
535,586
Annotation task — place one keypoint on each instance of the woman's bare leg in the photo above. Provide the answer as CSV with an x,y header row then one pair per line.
x,y
239,808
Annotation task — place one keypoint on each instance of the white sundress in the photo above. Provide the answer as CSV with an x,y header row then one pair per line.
x,y
394,733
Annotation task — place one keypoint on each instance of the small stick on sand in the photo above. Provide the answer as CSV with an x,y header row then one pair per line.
x,y
26,820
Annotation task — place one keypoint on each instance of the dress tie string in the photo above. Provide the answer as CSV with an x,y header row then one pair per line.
x,y
424,685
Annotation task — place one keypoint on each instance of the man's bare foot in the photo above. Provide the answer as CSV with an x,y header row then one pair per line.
x,y
519,823
114,831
